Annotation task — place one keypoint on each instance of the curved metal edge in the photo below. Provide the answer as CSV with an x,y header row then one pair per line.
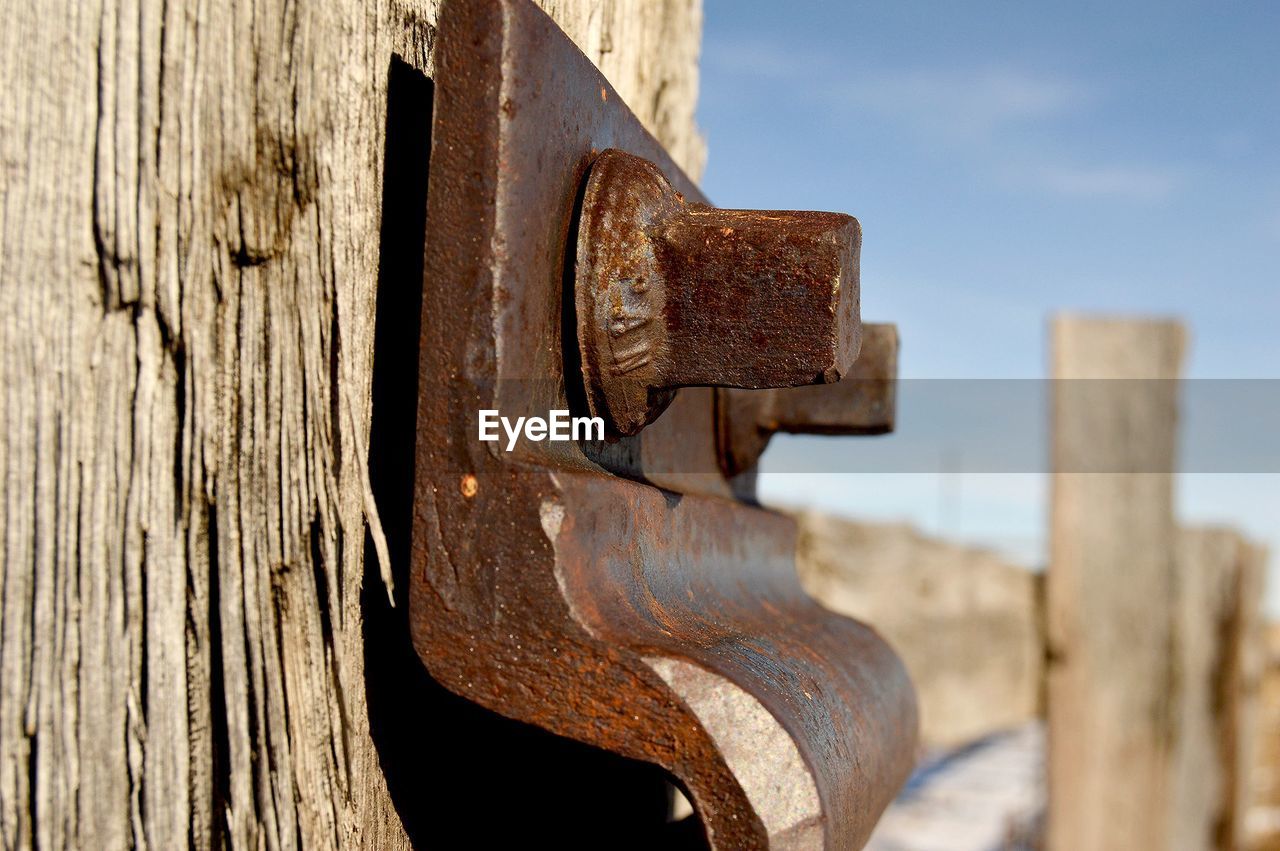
x,y
713,583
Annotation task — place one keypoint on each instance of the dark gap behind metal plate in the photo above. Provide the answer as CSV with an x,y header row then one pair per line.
x,y
452,767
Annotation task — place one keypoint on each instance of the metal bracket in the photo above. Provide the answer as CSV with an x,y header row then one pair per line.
x,y
612,592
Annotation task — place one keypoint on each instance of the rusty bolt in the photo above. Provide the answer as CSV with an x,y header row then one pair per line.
x,y
863,402
671,294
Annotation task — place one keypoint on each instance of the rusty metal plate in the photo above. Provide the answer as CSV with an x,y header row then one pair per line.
x,y
611,592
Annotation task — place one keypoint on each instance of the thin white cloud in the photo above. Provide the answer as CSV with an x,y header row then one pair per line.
x,y
754,59
963,101
972,112
972,103
1123,182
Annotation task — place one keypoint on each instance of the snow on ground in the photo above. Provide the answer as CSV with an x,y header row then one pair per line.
x,y
985,796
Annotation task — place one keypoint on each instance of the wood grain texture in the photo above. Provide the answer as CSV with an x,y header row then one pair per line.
x,y
1111,591
190,220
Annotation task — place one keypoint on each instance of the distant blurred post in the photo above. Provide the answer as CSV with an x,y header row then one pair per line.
x,y
1154,633
963,619
1221,655
1264,794
1111,597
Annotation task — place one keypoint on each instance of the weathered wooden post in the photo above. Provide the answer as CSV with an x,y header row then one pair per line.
x,y
189,259
1220,659
1264,797
1154,633
1111,592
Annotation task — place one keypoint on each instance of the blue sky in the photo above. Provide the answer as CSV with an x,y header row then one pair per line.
x,y
1008,160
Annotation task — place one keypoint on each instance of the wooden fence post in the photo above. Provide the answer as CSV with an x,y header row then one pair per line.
x,y
190,220
1220,644
1110,590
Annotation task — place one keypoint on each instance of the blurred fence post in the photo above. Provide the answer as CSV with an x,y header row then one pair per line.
x,y
963,619
1110,589
1264,776
1219,631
